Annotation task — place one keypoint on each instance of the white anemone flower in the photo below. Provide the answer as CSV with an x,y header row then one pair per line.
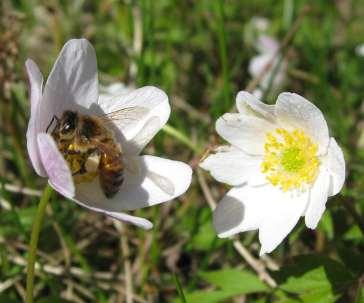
x,y
267,51
73,85
260,24
282,165
360,50
114,89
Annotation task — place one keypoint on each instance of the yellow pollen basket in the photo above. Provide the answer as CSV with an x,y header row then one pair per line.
x,y
75,163
290,159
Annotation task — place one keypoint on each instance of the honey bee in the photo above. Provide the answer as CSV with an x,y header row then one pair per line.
x,y
89,146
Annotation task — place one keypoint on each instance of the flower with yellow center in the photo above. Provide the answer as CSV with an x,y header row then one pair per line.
x,y
73,85
281,163
290,159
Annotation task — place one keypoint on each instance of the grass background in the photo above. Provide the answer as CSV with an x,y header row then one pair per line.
x,y
198,52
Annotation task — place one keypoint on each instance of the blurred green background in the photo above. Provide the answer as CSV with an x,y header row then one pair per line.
x,y
199,53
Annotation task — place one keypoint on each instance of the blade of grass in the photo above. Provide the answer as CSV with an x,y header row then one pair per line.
x,y
219,11
32,254
179,288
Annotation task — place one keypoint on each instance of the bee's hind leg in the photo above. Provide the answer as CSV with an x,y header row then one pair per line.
x,y
92,162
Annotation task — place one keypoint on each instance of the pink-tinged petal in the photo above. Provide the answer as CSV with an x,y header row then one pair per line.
x,y
55,166
246,132
317,199
295,111
277,70
149,181
123,217
36,85
282,211
258,63
141,106
72,83
335,167
231,165
249,104
266,44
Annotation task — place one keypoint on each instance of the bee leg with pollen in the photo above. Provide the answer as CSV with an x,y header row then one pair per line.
x,y
75,162
90,168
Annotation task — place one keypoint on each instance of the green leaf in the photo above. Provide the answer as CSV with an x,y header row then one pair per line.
x,y
52,299
360,295
214,296
240,281
229,283
315,279
6,299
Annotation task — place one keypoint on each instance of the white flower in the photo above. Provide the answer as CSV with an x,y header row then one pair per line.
x,y
281,163
73,85
267,48
112,90
260,24
360,50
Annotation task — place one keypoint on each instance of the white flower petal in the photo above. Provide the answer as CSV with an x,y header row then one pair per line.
x,y
260,24
154,100
135,145
257,178
336,167
140,222
231,165
137,221
258,63
267,45
245,132
237,212
295,111
72,83
277,70
257,93
281,213
249,104
56,167
112,91
247,208
360,50
156,180
317,200
36,86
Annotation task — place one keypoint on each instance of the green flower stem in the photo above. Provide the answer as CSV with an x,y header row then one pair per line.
x,y
37,224
175,133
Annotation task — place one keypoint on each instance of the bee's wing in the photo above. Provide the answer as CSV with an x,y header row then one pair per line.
x,y
126,116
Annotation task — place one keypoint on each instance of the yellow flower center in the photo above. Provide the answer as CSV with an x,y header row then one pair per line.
x,y
290,159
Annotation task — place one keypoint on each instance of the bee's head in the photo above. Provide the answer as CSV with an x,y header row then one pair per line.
x,y
68,124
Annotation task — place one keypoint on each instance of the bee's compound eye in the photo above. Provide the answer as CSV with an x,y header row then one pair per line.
x,y
69,122
67,127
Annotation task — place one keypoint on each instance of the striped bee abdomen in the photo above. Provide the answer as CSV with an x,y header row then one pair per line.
x,y
111,172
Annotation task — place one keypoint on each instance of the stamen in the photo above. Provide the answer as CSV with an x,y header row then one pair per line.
x,y
290,159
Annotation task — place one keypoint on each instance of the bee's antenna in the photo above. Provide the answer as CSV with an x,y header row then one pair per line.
x,y
50,123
